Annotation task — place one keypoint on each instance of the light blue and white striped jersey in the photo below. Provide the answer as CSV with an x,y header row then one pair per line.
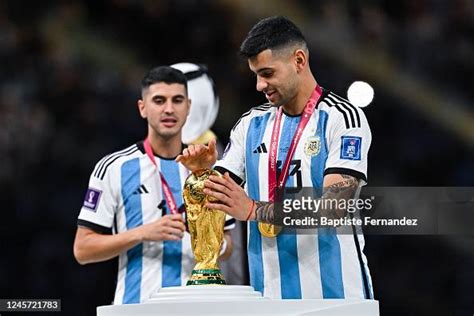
x,y
125,191
298,266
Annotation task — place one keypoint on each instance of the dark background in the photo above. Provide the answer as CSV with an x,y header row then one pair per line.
x,y
69,82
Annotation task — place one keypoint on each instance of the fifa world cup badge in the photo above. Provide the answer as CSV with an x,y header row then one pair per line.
x,y
312,146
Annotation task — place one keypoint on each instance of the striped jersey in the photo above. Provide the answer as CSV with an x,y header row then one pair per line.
x,y
336,140
125,191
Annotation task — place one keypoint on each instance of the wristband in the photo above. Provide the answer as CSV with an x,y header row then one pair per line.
x,y
251,211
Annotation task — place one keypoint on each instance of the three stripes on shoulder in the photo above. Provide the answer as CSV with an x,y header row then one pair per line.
x,y
348,111
102,166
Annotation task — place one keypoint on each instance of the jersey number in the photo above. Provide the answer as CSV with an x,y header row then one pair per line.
x,y
295,171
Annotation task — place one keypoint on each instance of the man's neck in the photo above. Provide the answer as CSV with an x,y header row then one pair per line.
x,y
165,147
297,104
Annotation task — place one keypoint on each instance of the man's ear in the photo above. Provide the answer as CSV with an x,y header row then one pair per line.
x,y
301,59
141,108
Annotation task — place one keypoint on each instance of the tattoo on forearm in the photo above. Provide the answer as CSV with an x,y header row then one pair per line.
x,y
264,212
342,189
345,189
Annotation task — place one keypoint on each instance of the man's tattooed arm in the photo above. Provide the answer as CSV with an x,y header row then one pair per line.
x,y
264,212
344,189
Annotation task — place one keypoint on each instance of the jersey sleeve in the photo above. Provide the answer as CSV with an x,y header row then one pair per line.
x,y
348,144
233,159
229,222
98,208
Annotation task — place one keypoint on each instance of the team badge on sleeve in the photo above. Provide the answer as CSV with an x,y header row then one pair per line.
x,y
91,200
350,147
312,146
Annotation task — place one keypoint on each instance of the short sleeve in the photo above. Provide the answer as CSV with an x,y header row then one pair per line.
x,y
348,144
229,222
233,159
98,208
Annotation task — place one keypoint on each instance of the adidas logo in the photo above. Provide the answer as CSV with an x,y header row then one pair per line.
x,y
142,189
261,149
162,205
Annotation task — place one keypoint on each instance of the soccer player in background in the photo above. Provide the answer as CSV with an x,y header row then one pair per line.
x,y
133,207
306,136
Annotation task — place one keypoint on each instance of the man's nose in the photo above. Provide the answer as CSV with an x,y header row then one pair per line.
x,y
169,107
261,84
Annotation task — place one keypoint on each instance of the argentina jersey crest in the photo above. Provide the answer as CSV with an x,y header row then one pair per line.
x,y
312,145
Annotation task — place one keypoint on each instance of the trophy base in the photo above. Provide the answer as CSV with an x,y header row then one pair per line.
x,y
235,300
206,277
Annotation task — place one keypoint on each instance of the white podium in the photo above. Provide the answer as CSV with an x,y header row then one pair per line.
x,y
236,300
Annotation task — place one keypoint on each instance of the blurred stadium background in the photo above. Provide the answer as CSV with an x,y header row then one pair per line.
x,y
69,81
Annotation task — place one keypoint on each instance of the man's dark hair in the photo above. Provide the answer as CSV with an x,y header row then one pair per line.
x,y
164,74
271,33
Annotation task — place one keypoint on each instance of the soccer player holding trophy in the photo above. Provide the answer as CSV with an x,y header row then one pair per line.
x,y
305,136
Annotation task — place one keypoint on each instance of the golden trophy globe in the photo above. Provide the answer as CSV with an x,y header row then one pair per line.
x,y
206,228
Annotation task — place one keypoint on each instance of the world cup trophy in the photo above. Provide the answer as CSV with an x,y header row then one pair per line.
x,y
206,228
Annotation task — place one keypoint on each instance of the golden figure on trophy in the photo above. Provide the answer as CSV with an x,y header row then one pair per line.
x,y
206,227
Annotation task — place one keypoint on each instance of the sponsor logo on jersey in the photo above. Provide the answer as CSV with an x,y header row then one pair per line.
x,y
350,147
91,200
261,149
141,190
312,146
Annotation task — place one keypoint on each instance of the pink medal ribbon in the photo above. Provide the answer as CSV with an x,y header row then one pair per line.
x,y
166,188
272,169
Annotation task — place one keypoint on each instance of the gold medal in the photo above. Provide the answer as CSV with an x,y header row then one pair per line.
x,y
269,230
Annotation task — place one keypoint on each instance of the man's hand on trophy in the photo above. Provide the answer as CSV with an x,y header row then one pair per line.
x,y
196,157
168,227
232,199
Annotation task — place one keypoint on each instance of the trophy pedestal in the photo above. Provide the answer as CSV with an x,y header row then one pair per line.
x,y
206,277
236,300
205,293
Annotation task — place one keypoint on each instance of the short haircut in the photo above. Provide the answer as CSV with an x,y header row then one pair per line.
x,y
271,33
164,74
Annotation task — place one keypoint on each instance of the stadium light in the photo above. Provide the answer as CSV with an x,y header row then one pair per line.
x,y
360,93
